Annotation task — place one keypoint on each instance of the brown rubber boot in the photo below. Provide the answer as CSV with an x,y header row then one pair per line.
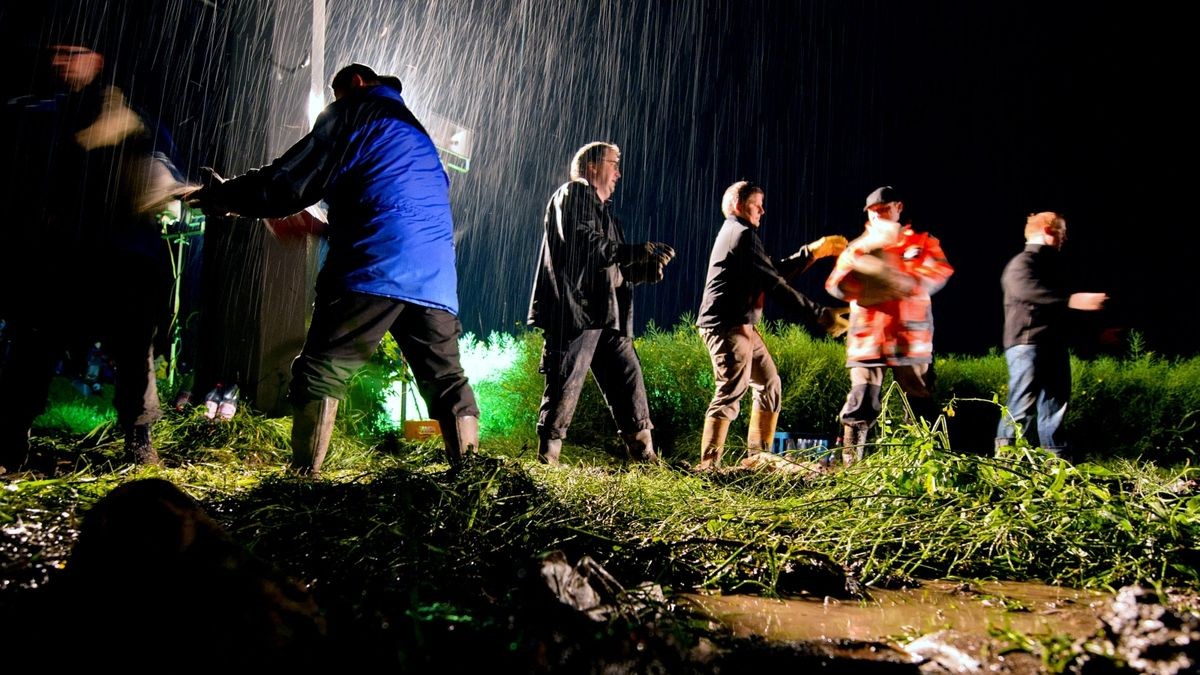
x,y
712,444
461,437
854,440
761,433
312,427
138,445
640,445
548,450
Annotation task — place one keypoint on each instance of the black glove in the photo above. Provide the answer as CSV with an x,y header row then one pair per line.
x,y
649,272
204,199
652,251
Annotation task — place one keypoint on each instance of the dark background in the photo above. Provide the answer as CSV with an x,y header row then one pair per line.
x,y
980,112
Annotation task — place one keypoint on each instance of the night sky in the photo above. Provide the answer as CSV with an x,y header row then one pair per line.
x,y
980,112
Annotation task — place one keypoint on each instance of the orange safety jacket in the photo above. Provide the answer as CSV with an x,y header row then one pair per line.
x,y
893,332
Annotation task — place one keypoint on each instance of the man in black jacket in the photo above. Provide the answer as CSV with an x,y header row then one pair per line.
x,y
740,275
583,302
1036,301
85,197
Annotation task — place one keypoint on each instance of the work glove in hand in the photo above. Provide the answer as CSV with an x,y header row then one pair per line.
x,y
835,320
828,245
649,272
653,250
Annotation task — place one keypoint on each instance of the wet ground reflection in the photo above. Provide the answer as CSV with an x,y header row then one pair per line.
x,y
970,608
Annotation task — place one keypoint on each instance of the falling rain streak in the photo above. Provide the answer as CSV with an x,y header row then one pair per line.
x,y
983,112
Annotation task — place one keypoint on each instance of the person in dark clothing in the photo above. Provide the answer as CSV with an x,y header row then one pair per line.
x,y
583,302
86,261
740,276
1036,304
390,265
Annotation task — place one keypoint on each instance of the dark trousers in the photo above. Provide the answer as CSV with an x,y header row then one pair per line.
x,y
345,331
863,403
615,366
122,311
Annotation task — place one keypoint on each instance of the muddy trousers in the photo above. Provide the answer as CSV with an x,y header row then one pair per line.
x,y
346,330
615,366
740,361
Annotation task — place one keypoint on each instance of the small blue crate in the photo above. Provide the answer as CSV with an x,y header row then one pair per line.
x,y
782,443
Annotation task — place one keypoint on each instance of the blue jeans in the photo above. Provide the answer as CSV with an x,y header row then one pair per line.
x,y
1039,381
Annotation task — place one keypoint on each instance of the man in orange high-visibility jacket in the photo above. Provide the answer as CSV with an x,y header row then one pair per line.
x,y
887,275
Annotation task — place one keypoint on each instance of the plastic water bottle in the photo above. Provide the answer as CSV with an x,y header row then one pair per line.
x,y
212,400
228,405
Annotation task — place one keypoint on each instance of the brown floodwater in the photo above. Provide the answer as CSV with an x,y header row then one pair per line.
x,y
901,614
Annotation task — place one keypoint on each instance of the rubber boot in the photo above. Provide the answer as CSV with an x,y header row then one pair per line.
x,y
854,439
712,444
312,427
548,450
761,433
139,447
461,437
1003,443
14,449
640,446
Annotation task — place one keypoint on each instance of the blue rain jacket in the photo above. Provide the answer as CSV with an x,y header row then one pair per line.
x,y
390,228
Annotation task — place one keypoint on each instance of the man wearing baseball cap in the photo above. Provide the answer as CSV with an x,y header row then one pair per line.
x,y
888,275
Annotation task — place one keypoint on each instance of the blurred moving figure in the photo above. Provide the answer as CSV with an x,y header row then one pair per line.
x,y
583,302
740,275
1036,304
390,265
888,275
83,255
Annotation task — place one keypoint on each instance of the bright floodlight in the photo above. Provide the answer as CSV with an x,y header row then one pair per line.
x,y
452,139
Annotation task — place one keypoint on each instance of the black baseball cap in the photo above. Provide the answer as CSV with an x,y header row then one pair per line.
x,y
882,195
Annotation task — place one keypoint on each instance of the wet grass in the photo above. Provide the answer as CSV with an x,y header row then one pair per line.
x,y
913,509
397,550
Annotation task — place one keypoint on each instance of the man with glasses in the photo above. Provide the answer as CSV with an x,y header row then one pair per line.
x,y
583,302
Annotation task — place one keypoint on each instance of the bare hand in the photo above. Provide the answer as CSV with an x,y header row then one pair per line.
x,y
1087,302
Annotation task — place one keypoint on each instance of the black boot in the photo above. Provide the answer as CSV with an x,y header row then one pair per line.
x,y
1003,443
548,450
640,446
14,449
461,437
138,445
312,427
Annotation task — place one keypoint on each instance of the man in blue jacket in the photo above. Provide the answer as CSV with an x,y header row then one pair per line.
x,y
390,266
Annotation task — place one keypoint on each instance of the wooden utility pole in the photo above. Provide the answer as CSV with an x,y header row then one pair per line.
x,y
256,291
